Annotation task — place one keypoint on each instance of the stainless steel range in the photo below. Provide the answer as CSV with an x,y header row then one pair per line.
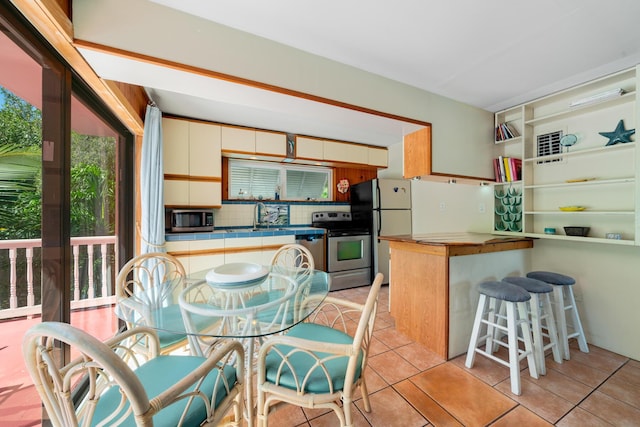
x,y
348,249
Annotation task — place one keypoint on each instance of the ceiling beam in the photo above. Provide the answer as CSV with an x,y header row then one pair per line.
x,y
237,80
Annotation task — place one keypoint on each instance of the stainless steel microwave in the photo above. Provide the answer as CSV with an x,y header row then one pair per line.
x,y
188,220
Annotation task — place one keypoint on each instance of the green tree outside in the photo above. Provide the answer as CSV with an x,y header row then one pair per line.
x,y
92,184
92,175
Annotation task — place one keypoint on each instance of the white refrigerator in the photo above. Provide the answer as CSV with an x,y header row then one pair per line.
x,y
384,206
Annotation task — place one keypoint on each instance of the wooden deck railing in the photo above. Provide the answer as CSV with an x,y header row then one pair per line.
x,y
82,278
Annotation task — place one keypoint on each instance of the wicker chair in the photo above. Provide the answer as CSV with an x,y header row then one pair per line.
x,y
319,365
147,290
298,262
110,383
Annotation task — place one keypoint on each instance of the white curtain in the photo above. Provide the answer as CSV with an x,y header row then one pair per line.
x,y
152,183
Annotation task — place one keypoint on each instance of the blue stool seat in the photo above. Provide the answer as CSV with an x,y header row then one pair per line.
x,y
495,295
503,291
533,286
552,278
540,310
563,301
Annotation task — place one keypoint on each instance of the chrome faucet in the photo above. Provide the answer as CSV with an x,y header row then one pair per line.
x,y
256,215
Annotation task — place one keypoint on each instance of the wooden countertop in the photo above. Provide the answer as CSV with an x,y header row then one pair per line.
x,y
452,244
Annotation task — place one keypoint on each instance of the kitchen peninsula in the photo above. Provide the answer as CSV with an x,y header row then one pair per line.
x,y
433,279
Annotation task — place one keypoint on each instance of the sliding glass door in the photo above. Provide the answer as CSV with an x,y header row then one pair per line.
x,y
66,192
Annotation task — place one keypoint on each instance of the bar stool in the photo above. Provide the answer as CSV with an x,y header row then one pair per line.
x,y
514,298
563,301
540,310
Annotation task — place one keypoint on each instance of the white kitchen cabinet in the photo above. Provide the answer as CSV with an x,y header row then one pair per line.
x,y
317,149
205,193
206,254
204,150
599,180
378,157
345,152
254,249
270,244
308,148
198,255
203,254
192,163
176,146
251,142
241,140
271,144
243,249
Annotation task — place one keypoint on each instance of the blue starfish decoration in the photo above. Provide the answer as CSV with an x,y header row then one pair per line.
x,y
618,135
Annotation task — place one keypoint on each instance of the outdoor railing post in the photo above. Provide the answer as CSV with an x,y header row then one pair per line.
x,y
91,292
76,273
31,298
18,283
103,254
13,296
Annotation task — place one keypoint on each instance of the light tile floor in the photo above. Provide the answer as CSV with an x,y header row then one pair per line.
x,y
411,386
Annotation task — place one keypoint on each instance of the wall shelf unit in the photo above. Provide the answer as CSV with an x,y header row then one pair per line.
x,y
602,179
627,97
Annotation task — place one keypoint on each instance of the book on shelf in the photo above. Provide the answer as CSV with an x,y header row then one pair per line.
x,y
516,168
496,170
507,169
505,131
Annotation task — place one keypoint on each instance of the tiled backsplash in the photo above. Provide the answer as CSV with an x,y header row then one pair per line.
x,y
241,214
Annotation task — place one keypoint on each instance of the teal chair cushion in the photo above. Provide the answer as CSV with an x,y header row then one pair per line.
x,y
302,363
161,373
270,314
171,319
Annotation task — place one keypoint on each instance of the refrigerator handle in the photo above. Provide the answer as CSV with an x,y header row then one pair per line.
x,y
379,222
378,200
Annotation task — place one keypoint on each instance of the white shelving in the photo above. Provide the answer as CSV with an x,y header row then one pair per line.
x,y
575,111
601,179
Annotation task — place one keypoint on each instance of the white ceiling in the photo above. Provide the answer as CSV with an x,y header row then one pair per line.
x,y
491,54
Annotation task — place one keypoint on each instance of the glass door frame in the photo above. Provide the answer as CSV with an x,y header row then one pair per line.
x,y
59,82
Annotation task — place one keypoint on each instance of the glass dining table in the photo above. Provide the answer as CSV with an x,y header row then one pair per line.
x,y
205,309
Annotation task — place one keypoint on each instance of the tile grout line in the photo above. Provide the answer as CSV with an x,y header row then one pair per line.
x,y
577,405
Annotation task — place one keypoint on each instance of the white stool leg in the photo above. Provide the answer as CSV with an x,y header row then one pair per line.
x,y
577,325
492,320
526,337
561,320
501,323
475,332
514,365
552,331
536,326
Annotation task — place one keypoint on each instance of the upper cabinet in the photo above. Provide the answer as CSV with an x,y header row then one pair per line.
x,y
458,146
378,157
247,142
192,163
579,163
417,154
318,150
309,148
335,151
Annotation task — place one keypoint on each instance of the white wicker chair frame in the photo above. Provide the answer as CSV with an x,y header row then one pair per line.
x,y
144,284
335,313
102,365
296,260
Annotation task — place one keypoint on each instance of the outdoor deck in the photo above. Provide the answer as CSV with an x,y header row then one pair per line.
x,y
20,405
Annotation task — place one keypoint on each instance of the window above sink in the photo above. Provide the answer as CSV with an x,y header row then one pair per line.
x,y
254,180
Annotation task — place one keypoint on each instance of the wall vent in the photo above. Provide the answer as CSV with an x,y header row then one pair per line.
x,y
548,144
